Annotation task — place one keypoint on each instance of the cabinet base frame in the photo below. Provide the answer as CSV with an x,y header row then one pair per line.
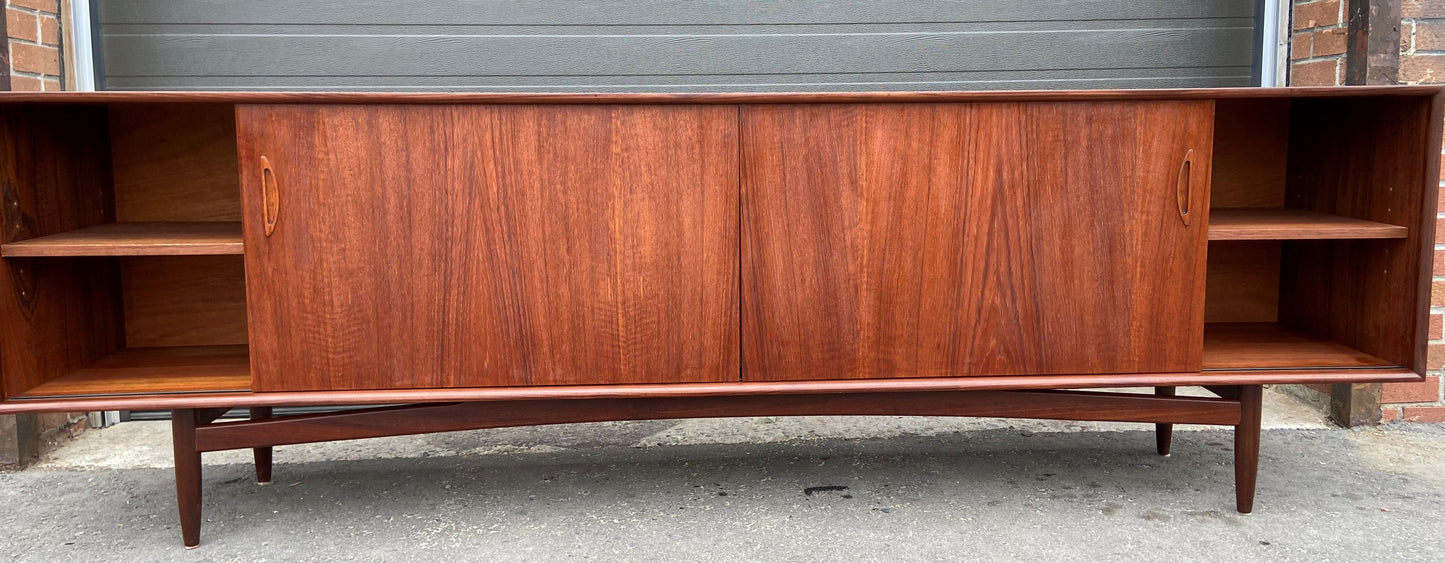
x,y
195,431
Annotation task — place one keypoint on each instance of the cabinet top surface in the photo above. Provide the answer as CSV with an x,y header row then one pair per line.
x,y
709,98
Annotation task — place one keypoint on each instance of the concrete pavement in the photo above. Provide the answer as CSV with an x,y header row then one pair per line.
x,y
788,489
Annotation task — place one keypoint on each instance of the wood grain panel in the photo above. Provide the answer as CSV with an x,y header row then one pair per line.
x,y
971,239
175,162
444,246
134,239
56,315
1365,158
1243,282
1251,151
184,301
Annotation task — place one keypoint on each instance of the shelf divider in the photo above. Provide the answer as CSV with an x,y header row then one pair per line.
x,y
1283,223
134,239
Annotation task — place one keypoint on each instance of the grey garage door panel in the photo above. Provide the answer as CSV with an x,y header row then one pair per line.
x,y
289,55
629,45
687,12
1000,80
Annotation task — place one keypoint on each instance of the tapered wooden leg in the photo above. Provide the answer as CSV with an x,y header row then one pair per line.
x,y
1246,447
1163,433
188,475
263,455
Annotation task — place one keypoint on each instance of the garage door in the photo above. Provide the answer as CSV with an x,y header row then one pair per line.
x,y
673,45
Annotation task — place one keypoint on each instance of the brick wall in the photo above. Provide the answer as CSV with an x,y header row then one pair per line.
x,y
34,45
1317,44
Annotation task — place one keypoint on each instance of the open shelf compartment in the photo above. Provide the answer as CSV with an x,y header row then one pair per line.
x,y
123,250
173,369
1263,345
1319,213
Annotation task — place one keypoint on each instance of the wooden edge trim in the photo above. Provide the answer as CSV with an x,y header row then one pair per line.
x,y
709,97
1428,220
426,419
989,383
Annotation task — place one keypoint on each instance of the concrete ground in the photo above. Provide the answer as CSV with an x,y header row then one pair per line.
x,y
786,489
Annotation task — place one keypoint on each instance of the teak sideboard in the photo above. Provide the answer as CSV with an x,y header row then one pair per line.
x,y
489,260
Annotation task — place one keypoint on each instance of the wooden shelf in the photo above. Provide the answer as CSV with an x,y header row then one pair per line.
x,y
182,369
1234,346
1282,223
134,239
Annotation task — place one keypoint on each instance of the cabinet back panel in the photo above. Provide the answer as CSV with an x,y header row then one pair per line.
x,y
1243,282
1360,157
56,315
1251,144
175,162
184,300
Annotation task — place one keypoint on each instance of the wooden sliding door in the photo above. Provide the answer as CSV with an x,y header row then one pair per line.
x,y
417,246
920,240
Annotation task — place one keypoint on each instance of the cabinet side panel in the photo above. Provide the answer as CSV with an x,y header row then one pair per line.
x,y
1367,158
56,315
464,246
937,240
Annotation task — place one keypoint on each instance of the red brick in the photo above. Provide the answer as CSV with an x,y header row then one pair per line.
x,y
1437,326
1422,9
1429,36
35,58
21,25
51,85
1439,263
49,30
1299,47
1427,391
1435,357
1423,414
25,84
1389,414
1324,13
1316,73
1437,294
51,6
1439,224
1422,69
1329,42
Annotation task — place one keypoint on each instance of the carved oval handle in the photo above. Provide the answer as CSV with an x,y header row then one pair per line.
x,y
1184,186
270,197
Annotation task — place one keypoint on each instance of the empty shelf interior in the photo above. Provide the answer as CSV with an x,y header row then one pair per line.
x,y
177,369
1229,346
